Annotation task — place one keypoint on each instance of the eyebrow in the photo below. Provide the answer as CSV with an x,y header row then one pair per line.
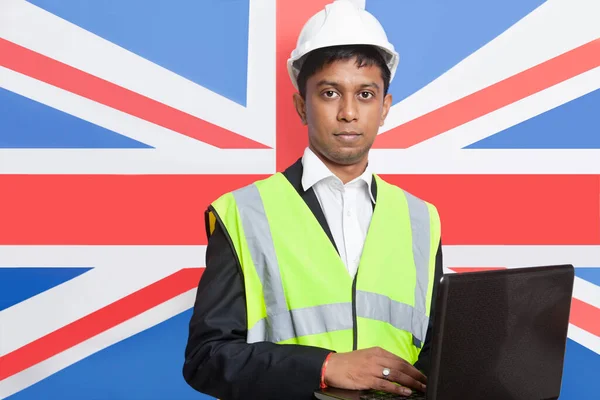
x,y
325,82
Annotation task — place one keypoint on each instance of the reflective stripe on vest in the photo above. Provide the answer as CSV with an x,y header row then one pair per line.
x,y
306,321
282,324
418,211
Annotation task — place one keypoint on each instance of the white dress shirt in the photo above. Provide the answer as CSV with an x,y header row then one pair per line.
x,y
348,208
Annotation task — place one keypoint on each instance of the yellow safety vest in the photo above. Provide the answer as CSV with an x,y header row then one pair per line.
x,y
298,290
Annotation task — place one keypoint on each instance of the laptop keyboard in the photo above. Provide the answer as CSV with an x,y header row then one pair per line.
x,y
391,396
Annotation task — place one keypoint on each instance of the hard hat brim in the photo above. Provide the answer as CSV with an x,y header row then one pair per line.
x,y
294,64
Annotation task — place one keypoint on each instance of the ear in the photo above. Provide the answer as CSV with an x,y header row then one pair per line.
x,y
387,104
300,105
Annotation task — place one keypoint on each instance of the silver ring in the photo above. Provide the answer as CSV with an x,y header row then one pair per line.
x,y
385,372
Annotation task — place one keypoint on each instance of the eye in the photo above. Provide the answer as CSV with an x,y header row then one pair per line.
x,y
330,94
366,95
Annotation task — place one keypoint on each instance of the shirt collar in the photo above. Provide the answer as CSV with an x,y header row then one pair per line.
x,y
314,171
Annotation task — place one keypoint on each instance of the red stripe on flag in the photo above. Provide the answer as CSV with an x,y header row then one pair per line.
x,y
169,209
494,97
46,69
585,316
511,209
110,209
291,135
99,321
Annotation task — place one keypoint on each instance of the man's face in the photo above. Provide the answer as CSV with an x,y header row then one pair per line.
x,y
344,108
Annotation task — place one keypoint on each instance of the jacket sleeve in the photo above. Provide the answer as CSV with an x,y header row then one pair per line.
x,y
424,362
219,362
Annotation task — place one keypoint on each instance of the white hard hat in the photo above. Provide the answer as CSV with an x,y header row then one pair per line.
x,y
342,22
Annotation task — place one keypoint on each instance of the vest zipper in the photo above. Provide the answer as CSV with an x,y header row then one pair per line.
x,y
354,318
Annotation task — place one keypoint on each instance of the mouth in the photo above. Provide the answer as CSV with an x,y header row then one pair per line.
x,y
348,136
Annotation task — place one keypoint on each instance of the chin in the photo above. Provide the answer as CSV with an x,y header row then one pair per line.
x,y
347,158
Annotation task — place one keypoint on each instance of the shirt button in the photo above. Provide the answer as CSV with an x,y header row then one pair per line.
x,y
348,213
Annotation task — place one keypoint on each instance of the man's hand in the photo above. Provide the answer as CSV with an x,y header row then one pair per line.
x,y
363,369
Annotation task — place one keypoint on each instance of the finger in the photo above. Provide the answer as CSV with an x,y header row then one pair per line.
x,y
392,357
401,365
411,371
398,376
407,380
390,387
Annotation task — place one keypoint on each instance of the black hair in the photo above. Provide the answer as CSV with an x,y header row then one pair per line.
x,y
365,56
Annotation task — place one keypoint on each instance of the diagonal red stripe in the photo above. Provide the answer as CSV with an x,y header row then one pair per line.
x,y
501,94
46,69
99,321
585,316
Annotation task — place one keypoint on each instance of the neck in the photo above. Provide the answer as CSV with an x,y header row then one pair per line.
x,y
346,173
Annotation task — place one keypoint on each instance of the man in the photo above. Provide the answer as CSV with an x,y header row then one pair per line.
x,y
323,275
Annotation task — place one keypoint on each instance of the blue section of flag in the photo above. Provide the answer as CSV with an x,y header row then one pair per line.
x,y
204,41
18,284
25,123
589,274
433,36
580,375
146,366
574,125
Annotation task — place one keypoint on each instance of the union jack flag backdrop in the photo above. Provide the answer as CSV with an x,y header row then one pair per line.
x,y
120,121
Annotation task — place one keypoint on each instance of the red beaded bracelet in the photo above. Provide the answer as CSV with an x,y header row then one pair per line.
x,y
323,369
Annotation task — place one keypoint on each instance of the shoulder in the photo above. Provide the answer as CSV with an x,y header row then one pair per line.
x,y
419,209
292,175
384,185
262,184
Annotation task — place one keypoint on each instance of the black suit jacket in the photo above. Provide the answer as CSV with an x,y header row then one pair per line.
x,y
219,362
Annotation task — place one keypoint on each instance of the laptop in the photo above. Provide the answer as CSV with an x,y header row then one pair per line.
x,y
497,335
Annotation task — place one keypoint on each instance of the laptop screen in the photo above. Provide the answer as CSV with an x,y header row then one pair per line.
x,y
503,335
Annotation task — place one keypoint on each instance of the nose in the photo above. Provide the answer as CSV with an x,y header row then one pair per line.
x,y
348,111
